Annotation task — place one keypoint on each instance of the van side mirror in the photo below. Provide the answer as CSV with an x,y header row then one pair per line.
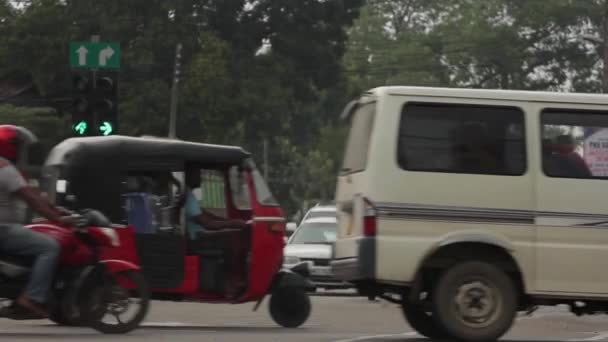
x,y
349,110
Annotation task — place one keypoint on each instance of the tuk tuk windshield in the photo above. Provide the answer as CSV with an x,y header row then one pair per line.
x,y
262,190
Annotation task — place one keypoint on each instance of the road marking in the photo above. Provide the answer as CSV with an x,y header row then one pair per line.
x,y
165,324
371,337
601,336
543,313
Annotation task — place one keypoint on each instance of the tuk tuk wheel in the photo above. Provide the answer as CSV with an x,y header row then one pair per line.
x,y
290,307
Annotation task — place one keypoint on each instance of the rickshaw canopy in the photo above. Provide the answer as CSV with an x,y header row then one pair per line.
x,y
95,168
126,150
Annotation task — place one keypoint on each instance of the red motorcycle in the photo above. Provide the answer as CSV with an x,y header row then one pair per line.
x,y
88,290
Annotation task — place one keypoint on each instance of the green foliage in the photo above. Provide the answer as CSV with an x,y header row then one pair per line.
x,y
281,70
231,90
507,44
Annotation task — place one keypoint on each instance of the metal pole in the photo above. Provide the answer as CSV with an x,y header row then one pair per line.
x,y
605,49
174,91
266,159
95,39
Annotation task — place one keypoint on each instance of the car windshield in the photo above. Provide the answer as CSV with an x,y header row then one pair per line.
x,y
321,213
315,233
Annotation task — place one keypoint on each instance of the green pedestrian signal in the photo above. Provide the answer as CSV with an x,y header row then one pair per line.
x,y
81,127
106,128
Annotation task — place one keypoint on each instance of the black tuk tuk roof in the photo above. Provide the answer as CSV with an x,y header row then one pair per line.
x,y
86,150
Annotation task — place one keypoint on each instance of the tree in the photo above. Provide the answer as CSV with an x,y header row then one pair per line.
x,y
389,45
251,69
481,44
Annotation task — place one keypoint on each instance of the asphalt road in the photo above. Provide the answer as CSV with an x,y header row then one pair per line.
x,y
334,319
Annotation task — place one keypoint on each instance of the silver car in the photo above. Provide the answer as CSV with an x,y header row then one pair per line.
x,y
312,242
320,210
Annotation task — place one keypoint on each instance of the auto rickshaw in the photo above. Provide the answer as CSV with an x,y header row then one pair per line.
x,y
139,184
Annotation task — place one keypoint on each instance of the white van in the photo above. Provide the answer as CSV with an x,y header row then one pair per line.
x,y
467,206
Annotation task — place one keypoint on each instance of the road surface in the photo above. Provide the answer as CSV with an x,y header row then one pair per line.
x,y
334,319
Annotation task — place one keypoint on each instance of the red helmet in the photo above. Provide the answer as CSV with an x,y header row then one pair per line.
x,y
13,140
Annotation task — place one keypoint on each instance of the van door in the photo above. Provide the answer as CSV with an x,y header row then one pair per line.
x,y
572,240
349,203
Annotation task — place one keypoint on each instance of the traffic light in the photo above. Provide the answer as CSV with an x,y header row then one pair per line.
x,y
106,108
95,104
82,110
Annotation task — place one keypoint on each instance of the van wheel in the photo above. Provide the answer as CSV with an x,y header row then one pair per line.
x,y
422,321
475,301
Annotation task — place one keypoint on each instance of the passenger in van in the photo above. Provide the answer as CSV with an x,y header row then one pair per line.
x,y
566,147
561,160
551,163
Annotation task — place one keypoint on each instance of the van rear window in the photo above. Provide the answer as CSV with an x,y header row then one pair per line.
x,y
575,143
357,145
459,138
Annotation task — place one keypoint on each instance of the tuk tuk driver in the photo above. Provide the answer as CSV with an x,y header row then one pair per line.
x,y
197,219
14,238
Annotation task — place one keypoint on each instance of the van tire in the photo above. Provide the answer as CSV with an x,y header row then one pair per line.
x,y
422,321
475,301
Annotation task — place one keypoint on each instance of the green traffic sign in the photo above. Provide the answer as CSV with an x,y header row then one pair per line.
x,y
81,127
95,55
106,128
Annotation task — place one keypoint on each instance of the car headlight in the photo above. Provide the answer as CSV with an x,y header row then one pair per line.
x,y
290,260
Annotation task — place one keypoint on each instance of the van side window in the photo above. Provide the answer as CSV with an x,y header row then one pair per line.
x,y
575,143
357,145
459,138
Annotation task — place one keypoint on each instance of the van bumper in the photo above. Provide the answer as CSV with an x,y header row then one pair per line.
x,y
360,267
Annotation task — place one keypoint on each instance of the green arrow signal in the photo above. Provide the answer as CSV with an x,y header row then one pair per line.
x,y
80,127
106,128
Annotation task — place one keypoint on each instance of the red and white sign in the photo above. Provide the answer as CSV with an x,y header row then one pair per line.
x,y
595,153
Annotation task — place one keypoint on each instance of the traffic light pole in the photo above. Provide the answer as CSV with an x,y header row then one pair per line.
x,y
174,91
95,39
95,91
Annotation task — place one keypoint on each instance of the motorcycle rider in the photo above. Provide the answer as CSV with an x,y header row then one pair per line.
x,y
17,240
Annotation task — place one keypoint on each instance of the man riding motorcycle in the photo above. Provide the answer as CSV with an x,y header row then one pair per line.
x,y
17,240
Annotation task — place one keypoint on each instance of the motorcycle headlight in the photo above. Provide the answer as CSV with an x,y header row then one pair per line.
x,y
111,235
290,260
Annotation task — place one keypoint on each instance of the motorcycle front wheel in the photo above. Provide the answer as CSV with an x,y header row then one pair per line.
x,y
118,305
